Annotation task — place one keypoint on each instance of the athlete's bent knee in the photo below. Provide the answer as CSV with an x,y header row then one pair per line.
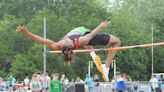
x,y
118,42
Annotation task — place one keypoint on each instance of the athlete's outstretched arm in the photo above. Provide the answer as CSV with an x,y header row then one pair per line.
x,y
51,44
85,39
101,26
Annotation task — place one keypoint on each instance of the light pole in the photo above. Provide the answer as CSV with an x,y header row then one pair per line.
x,y
44,53
152,50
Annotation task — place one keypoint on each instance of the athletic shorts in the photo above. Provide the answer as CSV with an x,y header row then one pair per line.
x,y
100,39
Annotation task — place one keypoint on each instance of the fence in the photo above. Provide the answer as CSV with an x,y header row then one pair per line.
x,y
140,86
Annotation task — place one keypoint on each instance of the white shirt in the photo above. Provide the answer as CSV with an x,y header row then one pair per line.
x,y
26,81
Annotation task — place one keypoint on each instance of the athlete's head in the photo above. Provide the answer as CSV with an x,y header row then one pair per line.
x,y
67,53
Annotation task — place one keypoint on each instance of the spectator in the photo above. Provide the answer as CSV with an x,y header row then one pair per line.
x,y
89,83
35,85
150,81
11,83
64,81
46,82
79,85
162,83
39,77
128,84
65,84
113,86
62,78
129,79
154,84
97,86
79,80
20,87
124,76
72,82
55,84
120,83
26,82
135,86
159,82
2,85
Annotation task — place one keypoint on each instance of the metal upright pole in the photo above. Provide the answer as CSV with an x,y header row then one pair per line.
x,y
152,50
44,53
89,68
115,68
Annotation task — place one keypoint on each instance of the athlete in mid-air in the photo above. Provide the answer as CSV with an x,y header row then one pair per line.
x,y
81,37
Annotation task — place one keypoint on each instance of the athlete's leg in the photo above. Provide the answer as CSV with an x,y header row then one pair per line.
x,y
47,42
114,42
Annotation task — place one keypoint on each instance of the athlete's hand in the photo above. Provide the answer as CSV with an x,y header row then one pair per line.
x,y
105,24
22,29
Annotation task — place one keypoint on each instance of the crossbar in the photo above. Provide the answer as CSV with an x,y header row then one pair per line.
x,y
115,48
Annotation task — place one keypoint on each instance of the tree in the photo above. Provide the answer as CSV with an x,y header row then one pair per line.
x,y
22,67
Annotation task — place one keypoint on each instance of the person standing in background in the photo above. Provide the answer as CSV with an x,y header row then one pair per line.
x,y
46,82
89,83
35,85
113,82
55,84
120,83
162,83
11,83
97,85
26,83
154,84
